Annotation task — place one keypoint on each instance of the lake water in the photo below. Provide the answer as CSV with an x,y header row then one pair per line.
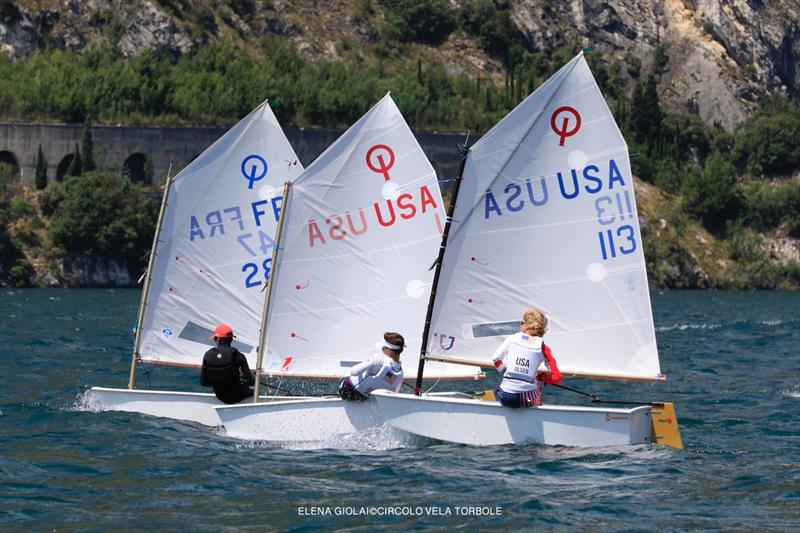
x,y
733,366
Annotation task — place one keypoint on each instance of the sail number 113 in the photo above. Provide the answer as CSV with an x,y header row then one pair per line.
x,y
623,240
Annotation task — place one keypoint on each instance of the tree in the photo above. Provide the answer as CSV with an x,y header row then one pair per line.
x,y
41,170
87,164
100,215
713,195
75,165
646,114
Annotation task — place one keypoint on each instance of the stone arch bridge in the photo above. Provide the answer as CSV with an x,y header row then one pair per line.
x,y
136,150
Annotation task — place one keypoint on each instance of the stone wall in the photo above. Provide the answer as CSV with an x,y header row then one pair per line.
x,y
113,146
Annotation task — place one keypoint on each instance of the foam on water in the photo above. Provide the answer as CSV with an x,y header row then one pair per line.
x,y
85,401
683,327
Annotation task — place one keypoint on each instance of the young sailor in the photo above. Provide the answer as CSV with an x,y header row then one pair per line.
x,y
383,371
226,369
518,360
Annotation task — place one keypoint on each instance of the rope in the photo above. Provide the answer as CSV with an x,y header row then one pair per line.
x,y
595,399
435,383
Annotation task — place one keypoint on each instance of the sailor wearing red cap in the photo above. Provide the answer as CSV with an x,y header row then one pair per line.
x,y
383,371
225,368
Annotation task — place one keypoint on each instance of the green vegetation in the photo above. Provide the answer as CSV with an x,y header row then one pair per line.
x,y
94,214
98,214
41,170
13,266
87,163
732,188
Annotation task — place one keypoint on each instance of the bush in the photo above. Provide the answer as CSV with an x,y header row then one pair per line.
x,y
769,205
419,20
713,195
50,197
768,142
491,22
20,274
103,215
20,208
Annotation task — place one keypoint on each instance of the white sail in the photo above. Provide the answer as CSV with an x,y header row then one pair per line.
x,y
216,243
546,217
362,227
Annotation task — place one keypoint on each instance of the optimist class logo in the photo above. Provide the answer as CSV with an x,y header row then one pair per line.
x,y
256,171
563,112
380,158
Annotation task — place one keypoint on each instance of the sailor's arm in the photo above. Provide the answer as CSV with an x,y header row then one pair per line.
x,y
554,375
500,355
245,369
369,364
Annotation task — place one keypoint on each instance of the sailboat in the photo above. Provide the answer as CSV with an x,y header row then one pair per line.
x,y
210,260
544,216
361,226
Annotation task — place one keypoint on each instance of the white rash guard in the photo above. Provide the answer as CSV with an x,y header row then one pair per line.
x,y
380,372
521,354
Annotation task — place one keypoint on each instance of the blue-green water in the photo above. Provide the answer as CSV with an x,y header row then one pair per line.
x,y
733,362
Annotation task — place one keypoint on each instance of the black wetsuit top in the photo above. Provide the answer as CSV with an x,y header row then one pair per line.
x,y
226,369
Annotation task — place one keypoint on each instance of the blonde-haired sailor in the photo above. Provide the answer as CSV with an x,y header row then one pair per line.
x,y
518,360
382,371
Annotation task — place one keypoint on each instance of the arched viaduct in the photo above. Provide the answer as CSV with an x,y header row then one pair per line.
x,y
118,148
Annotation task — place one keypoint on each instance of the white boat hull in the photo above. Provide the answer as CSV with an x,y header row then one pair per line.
x,y
301,419
192,406
483,423
309,419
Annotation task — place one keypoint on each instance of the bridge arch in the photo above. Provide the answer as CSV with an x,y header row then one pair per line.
x,y
138,168
8,158
63,166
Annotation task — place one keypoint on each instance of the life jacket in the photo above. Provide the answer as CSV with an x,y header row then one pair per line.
x,y
220,367
523,359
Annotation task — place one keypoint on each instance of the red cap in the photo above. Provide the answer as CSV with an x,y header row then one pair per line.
x,y
221,331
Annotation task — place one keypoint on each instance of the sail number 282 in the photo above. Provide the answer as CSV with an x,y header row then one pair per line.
x,y
251,271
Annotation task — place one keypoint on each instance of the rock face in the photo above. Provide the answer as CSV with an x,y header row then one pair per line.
x,y
723,54
85,271
71,24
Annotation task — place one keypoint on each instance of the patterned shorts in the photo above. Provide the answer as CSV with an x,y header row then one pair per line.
x,y
520,399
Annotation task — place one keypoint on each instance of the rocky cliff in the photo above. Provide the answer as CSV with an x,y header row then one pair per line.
x,y
723,54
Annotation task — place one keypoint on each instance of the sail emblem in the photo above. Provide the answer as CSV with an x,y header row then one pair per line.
x,y
382,166
442,340
256,171
564,130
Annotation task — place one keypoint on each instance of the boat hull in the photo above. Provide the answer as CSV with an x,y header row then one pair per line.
x,y
484,423
302,419
191,406
298,420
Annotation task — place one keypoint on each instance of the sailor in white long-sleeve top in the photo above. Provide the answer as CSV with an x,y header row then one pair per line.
x,y
382,371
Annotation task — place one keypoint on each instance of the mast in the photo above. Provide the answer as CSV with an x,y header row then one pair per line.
x,y
438,264
147,277
262,334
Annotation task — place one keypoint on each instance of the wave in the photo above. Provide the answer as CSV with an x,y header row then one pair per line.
x,y
792,393
683,327
85,401
373,439
701,325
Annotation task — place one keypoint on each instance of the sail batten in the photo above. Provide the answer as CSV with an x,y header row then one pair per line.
x,y
546,217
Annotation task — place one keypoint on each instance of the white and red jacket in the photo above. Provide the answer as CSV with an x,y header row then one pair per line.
x,y
519,357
